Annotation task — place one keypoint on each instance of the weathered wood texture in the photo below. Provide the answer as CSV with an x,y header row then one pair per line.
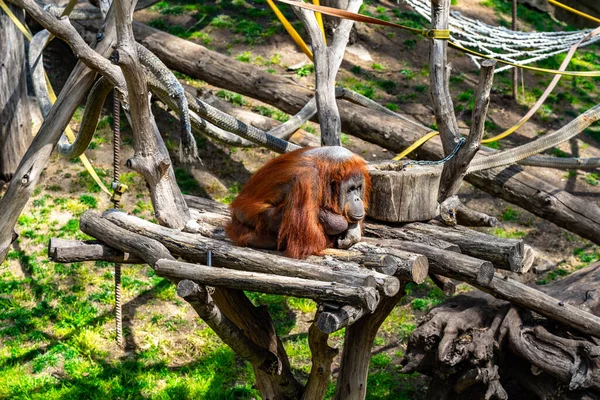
x,y
535,300
195,247
254,321
456,169
504,253
511,184
386,236
358,341
446,284
410,266
322,358
151,157
148,249
530,357
403,196
266,283
439,78
453,212
452,265
68,251
15,125
35,159
332,320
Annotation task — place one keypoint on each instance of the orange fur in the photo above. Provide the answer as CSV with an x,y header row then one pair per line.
x,y
298,185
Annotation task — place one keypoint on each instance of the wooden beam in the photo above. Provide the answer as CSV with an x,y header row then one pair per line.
x,y
68,251
367,297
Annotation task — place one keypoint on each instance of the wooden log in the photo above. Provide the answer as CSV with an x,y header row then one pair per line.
x,y
201,301
452,265
409,266
386,284
504,253
35,159
203,204
333,320
528,259
386,236
148,249
453,212
68,251
15,129
366,297
151,157
511,184
446,284
505,288
194,247
403,195
383,263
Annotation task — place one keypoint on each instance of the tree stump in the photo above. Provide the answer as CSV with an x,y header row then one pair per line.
x,y
403,194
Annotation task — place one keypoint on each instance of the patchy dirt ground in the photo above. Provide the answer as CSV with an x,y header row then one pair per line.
x,y
71,351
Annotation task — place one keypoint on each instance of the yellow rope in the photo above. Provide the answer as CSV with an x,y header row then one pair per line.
x,y
416,145
290,30
319,18
574,11
70,135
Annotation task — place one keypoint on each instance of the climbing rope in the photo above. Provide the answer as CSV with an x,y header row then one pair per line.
x,y
116,199
515,48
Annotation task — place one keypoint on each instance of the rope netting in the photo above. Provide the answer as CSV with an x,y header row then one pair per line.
x,y
502,43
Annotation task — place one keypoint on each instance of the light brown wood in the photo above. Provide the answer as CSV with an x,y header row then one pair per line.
x,y
456,168
386,236
35,159
403,195
322,358
195,247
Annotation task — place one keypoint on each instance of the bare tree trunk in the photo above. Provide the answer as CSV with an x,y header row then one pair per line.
x,y
331,23
35,159
15,120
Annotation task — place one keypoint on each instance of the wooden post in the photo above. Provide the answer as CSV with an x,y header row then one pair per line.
x,y
439,78
15,128
455,169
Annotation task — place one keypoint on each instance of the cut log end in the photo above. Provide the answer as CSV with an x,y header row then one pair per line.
x,y
485,273
391,286
420,269
187,288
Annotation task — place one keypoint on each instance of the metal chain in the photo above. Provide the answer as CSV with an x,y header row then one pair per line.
x,y
116,202
460,143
